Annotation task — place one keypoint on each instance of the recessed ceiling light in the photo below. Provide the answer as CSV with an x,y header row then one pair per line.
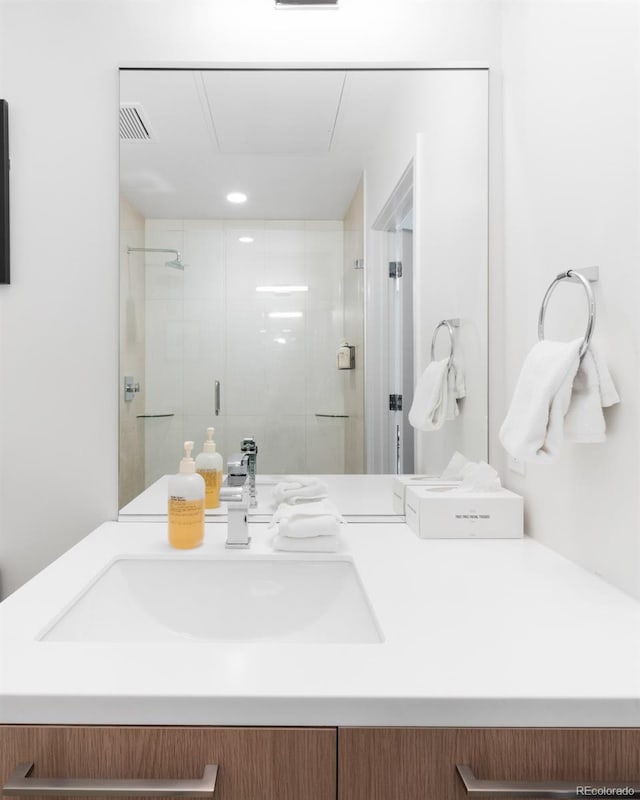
x,y
246,239
284,289
285,314
280,340
237,197
286,330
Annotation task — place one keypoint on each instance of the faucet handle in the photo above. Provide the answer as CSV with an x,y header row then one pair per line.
x,y
248,445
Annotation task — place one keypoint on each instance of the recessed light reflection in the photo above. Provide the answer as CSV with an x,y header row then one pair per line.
x,y
237,197
284,289
285,314
263,330
246,239
287,330
280,340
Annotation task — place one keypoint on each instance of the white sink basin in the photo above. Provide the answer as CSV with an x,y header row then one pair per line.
x,y
248,599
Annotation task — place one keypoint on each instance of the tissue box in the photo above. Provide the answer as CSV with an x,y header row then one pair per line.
x,y
402,482
435,513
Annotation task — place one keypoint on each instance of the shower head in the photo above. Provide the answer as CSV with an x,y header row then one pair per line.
x,y
175,264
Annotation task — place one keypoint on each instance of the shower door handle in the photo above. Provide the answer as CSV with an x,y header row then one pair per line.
x,y
217,398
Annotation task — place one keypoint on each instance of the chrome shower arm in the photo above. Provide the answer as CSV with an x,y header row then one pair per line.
x,y
177,263
152,250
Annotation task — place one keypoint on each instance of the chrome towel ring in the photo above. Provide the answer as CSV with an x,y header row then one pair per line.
x,y
449,324
574,276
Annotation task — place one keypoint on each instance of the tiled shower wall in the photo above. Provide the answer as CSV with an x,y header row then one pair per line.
x,y
208,323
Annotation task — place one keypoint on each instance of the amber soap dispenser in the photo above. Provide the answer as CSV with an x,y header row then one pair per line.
x,y
186,504
209,465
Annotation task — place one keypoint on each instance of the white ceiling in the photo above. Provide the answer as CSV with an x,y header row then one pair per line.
x,y
294,141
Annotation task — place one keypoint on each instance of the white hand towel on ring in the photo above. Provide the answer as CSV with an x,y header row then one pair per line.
x,y
533,429
456,387
593,389
430,398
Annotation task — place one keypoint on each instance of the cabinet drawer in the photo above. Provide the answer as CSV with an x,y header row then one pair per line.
x,y
420,763
253,763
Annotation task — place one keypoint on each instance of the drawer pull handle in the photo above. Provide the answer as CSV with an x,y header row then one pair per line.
x,y
555,789
21,785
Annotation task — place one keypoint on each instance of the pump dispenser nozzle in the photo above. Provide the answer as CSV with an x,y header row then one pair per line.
x,y
209,446
187,464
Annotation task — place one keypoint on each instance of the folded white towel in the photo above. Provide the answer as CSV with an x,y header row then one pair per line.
x,y
318,508
299,490
429,407
593,390
318,544
534,426
308,527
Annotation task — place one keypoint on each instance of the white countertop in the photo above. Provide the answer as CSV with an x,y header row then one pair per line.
x,y
362,498
476,633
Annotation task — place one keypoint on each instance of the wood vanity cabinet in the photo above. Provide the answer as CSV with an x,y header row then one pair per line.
x,y
253,763
420,763
325,763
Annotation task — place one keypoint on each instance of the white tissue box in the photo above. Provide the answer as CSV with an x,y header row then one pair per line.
x,y
402,482
436,513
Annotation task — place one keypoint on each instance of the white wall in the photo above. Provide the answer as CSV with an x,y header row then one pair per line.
x,y
571,138
441,124
451,258
59,318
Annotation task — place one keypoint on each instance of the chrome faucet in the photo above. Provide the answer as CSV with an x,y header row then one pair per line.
x,y
237,470
241,470
249,449
237,522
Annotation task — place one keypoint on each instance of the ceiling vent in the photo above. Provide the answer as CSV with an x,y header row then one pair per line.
x,y
134,125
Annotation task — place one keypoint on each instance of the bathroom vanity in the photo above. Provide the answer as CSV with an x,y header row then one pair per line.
x,y
123,630
499,655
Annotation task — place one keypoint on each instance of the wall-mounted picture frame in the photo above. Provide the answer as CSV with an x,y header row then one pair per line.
x,y
4,192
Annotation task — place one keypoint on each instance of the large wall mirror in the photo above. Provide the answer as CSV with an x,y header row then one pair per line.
x,y
362,224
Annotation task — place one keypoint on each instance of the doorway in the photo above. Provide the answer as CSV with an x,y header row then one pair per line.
x,y
395,221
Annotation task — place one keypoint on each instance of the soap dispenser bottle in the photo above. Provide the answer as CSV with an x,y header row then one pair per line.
x,y
186,504
209,465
